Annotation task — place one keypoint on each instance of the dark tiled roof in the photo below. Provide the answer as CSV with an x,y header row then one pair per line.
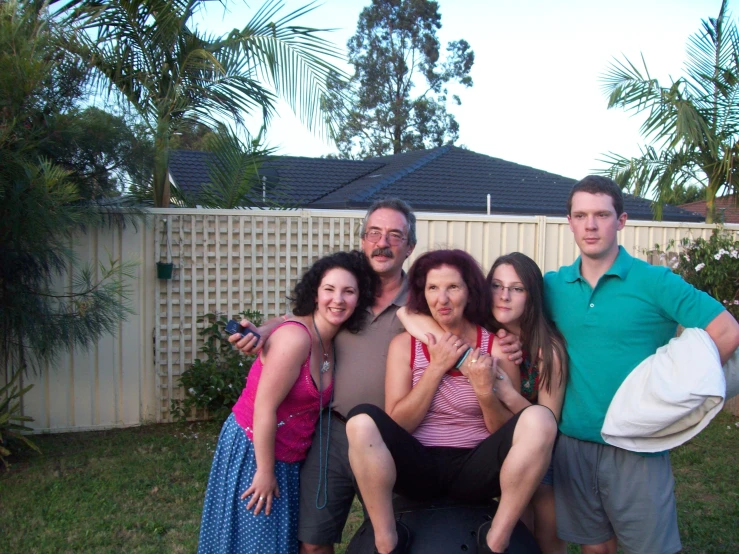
x,y
726,205
189,169
445,179
299,180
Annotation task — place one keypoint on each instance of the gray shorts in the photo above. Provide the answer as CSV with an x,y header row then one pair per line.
x,y
602,491
325,526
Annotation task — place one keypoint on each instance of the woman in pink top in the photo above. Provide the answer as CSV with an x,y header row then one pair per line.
x,y
446,433
251,504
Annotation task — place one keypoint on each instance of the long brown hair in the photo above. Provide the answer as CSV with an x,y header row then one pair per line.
x,y
538,334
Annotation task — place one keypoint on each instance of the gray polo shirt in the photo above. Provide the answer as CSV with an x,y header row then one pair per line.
x,y
361,357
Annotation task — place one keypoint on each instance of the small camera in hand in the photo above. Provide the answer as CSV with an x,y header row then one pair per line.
x,y
234,327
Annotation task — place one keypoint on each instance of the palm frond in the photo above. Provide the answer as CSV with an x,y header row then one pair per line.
x,y
627,88
293,59
653,174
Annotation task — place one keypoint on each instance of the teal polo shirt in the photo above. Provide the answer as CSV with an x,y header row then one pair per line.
x,y
632,311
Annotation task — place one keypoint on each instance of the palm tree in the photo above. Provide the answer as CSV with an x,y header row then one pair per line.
x,y
171,73
692,125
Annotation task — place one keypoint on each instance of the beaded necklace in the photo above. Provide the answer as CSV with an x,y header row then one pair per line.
x,y
324,354
323,468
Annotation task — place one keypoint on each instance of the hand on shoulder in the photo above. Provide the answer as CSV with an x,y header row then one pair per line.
x,y
510,346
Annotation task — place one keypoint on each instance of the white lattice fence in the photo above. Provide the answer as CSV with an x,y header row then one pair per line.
x,y
228,262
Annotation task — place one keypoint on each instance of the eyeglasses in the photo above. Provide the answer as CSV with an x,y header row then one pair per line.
x,y
393,238
498,288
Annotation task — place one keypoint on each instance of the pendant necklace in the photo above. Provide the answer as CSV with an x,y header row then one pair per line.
x,y
324,354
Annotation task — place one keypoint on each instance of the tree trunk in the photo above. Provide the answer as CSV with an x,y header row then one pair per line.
x,y
711,202
161,166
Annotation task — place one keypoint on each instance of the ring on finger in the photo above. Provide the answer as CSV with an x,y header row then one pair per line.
x,y
261,498
473,360
456,344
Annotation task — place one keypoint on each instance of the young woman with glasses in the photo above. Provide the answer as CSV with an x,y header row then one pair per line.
x,y
517,305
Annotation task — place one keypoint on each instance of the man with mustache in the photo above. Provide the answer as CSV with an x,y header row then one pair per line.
x,y
327,491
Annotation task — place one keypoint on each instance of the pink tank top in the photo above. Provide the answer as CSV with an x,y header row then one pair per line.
x,y
454,418
296,415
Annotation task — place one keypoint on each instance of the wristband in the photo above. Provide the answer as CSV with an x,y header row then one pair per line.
x,y
463,357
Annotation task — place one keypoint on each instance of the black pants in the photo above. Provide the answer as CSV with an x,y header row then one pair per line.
x,y
428,472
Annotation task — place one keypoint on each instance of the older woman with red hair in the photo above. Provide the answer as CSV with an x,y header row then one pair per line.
x,y
444,432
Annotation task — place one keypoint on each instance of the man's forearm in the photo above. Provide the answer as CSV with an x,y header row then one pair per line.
x,y
724,331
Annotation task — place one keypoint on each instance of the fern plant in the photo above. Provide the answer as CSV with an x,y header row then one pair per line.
x,y
12,429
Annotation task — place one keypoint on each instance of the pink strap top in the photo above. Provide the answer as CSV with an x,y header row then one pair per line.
x,y
296,415
454,418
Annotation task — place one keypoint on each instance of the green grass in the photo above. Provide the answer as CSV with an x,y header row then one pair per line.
x,y
141,490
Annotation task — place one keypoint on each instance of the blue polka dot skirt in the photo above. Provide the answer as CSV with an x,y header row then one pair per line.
x,y
226,525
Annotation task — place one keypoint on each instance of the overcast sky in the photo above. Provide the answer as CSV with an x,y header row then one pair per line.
x,y
537,98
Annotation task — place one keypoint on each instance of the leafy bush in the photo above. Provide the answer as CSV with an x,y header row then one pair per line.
x,y
11,431
214,382
712,266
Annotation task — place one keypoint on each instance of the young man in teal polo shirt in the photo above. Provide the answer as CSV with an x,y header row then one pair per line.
x,y
615,311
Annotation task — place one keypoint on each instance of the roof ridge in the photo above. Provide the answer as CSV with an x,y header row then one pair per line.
x,y
431,156
374,167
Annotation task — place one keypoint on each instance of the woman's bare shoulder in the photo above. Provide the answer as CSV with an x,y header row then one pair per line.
x,y
402,340
289,336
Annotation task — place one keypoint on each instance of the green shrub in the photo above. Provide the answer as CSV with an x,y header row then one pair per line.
x,y
712,266
215,380
11,431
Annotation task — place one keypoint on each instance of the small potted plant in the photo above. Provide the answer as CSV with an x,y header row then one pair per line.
x,y
165,269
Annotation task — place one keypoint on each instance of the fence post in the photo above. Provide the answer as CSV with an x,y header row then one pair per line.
x,y
541,241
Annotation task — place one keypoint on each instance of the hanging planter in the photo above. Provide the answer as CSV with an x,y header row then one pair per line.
x,y
165,269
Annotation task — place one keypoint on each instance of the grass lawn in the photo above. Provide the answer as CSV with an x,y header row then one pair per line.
x,y
141,490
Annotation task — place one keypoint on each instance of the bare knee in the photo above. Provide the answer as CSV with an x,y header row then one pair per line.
x,y
362,429
538,422
316,548
608,547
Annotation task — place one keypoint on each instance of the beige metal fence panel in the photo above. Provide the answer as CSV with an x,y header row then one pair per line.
x,y
485,237
557,246
110,384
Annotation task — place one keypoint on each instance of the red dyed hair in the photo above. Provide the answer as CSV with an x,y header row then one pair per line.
x,y
477,310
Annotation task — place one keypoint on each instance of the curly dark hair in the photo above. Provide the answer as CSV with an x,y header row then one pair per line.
x,y
355,262
478,299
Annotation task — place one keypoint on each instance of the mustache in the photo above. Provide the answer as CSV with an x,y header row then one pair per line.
x,y
387,252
